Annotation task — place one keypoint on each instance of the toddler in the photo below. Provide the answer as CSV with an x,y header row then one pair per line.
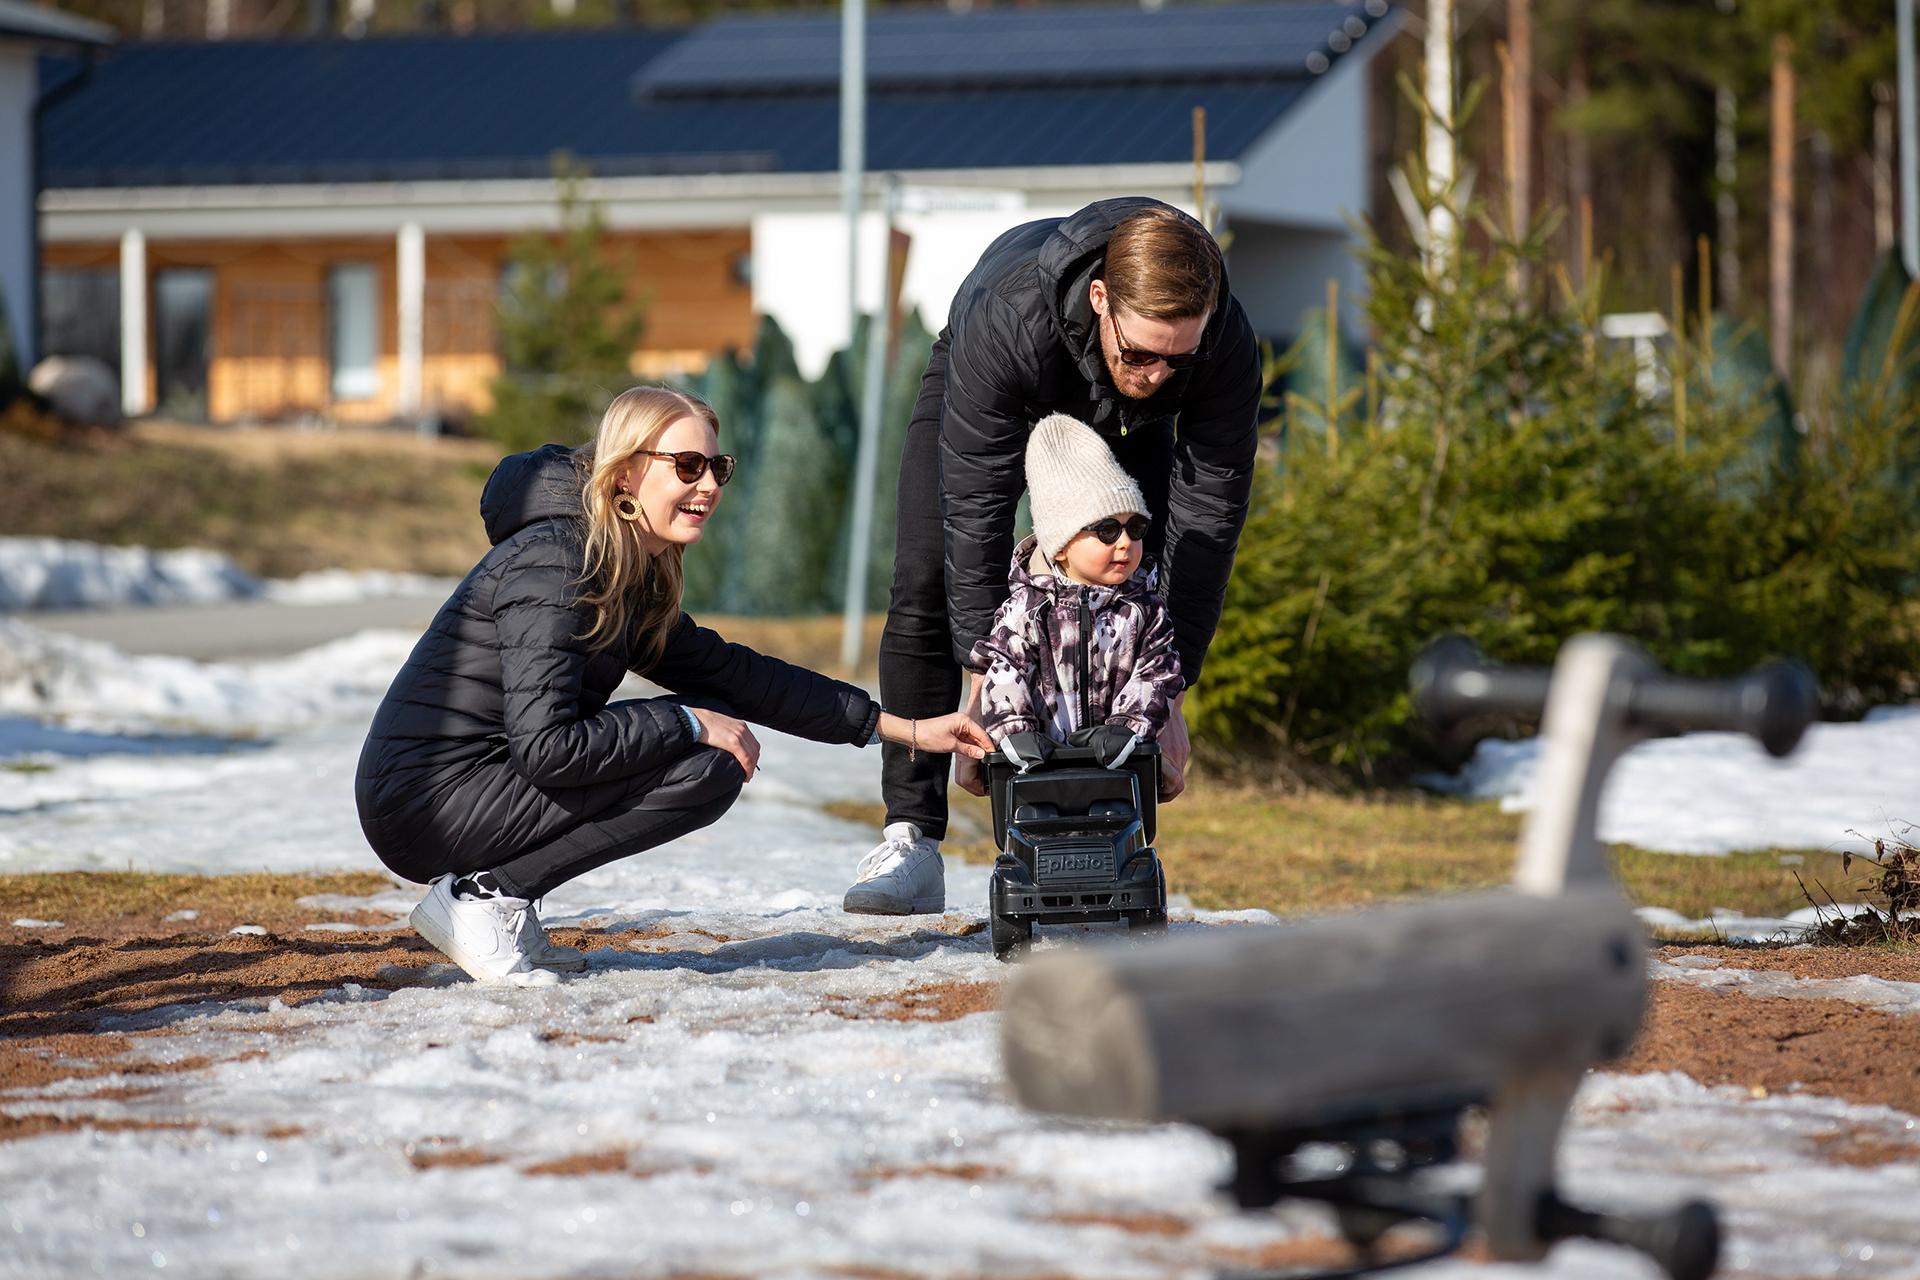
x,y
1082,650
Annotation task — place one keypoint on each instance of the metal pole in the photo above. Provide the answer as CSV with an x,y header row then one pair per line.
x,y
1439,94
867,460
1909,141
853,141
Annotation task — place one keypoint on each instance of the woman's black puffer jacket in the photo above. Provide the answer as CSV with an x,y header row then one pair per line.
x,y
500,692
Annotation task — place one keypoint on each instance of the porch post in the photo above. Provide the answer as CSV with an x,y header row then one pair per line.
x,y
412,290
133,324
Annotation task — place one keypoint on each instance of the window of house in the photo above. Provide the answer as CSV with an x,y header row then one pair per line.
x,y
80,313
354,330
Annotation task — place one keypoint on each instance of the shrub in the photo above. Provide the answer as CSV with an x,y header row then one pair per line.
x,y
1516,485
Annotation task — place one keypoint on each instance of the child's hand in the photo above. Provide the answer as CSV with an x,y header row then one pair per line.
x,y
1111,743
1028,749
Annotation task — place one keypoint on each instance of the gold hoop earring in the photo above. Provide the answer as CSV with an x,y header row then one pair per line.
x,y
626,506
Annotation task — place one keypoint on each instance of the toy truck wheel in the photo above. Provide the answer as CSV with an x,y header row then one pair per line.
x,y
1009,936
1153,919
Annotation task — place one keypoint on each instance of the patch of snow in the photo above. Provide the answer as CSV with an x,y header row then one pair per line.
x,y
57,573
1864,989
60,573
345,586
1733,926
1719,792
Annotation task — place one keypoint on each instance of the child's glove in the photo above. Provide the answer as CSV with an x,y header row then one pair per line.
x,y
1111,743
1027,749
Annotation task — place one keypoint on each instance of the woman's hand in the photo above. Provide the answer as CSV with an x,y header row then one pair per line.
x,y
956,733
731,736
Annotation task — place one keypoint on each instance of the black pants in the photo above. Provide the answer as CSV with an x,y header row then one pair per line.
x,y
554,835
920,674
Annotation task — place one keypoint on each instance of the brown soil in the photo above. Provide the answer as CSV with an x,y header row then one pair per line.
x,y
1165,1225
960,1172
936,1002
1865,1148
1827,1047
448,1156
585,1162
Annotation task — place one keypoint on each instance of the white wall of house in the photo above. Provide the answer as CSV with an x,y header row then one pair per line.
x,y
1311,167
1279,273
18,88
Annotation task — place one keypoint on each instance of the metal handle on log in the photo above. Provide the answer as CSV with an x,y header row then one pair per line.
x,y
1453,682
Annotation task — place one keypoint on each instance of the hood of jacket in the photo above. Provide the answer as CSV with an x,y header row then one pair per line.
x,y
1067,264
530,487
1031,571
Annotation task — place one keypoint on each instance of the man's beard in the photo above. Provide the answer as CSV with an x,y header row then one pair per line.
x,y
1125,380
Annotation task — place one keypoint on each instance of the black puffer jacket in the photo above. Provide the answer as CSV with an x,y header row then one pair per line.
x,y
501,682
1023,344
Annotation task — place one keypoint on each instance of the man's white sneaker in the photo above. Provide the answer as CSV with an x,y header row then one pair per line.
x,y
901,876
481,935
544,951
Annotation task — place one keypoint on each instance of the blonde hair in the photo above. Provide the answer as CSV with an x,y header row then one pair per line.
x,y
1163,265
623,579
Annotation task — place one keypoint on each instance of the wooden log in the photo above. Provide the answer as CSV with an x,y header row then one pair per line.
x,y
1328,1019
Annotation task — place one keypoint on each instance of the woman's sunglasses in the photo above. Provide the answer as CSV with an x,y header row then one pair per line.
x,y
1109,530
1140,357
690,464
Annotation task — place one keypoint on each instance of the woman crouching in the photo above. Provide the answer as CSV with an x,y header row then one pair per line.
x,y
496,768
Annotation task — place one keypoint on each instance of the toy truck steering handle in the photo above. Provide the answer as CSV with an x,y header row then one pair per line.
x,y
1453,682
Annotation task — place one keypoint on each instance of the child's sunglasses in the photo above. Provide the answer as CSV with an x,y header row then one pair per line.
x,y
1140,357
1109,530
690,464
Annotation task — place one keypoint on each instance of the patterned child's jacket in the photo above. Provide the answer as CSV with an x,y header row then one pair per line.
x,y
1055,638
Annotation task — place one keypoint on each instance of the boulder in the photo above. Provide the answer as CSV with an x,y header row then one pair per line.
x,y
81,389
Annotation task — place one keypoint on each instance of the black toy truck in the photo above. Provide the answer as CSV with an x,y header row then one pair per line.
x,y
1076,844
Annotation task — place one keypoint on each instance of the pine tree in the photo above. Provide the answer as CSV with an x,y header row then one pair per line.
x,y
568,327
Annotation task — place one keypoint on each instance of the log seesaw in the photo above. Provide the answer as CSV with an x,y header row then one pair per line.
x,y
1339,1055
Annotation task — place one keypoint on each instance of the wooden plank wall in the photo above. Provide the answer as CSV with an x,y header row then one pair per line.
x,y
269,356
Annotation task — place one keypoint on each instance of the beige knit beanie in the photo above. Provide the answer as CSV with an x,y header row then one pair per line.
x,y
1074,481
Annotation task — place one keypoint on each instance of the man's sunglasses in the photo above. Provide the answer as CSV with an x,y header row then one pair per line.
x,y
1109,530
690,464
1140,357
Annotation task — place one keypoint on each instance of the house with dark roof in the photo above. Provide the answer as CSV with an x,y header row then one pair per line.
x,y
26,30
320,226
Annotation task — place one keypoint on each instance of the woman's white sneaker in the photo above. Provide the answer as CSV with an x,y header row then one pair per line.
x,y
481,935
901,876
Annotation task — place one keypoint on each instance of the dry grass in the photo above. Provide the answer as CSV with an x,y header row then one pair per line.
x,y
1236,846
109,900
279,502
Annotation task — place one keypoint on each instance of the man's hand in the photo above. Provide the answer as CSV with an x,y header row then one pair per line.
x,y
1175,750
967,773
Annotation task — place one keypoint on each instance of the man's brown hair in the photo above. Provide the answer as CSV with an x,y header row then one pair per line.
x,y
1163,265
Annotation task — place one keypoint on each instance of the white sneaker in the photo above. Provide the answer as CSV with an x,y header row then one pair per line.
x,y
481,935
902,876
544,951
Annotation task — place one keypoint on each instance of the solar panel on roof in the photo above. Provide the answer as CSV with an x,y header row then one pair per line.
x,y
994,47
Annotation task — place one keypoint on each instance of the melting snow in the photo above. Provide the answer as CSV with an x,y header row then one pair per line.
x,y
727,1100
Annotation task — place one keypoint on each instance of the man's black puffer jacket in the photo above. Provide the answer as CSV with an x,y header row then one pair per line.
x,y
501,684
1024,343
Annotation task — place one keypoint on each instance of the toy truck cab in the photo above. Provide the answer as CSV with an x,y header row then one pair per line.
x,y
1076,844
